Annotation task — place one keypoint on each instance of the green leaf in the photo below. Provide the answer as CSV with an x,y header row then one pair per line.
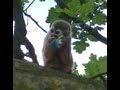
x,y
74,3
75,73
24,2
85,9
83,35
95,66
53,15
91,38
99,18
75,32
80,46
103,63
74,8
69,12
59,10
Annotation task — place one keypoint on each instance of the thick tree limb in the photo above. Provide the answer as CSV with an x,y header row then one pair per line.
x,y
86,27
31,50
34,21
20,32
94,32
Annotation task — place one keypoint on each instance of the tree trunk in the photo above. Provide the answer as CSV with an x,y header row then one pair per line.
x,y
20,32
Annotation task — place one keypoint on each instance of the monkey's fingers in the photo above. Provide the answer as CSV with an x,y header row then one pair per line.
x,y
51,39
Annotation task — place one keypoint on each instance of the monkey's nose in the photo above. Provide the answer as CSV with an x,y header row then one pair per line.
x,y
56,35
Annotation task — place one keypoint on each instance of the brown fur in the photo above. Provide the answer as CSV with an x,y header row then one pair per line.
x,y
60,59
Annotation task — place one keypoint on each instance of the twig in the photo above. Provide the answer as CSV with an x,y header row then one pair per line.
x,y
34,21
99,75
29,5
89,29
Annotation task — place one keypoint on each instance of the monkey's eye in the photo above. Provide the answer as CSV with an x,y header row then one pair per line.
x,y
57,32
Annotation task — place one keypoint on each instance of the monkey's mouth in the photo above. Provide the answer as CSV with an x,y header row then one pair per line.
x,y
56,42
51,39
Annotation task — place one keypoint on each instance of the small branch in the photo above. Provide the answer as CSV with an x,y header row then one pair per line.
x,y
86,27
99,75
34,21
29,5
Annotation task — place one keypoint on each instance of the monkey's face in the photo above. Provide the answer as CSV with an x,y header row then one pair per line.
x,y
54,34
60,33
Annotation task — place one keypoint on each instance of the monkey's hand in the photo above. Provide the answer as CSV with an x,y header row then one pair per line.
x,y
57,43
51,39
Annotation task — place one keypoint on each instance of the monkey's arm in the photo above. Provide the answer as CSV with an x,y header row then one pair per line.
x,y
66,56
48,53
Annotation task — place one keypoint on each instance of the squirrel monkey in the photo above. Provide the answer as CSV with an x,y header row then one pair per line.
x,y
57,47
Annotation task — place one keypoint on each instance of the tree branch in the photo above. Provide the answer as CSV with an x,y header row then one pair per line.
x,y
31,50
29,5
87,28
99,75
20,32
34,21
94,32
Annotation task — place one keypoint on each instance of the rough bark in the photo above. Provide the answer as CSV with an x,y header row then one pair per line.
x,y
30,76
20,32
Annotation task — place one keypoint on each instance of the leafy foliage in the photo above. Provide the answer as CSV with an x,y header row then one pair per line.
x,y
87,11
91,38
99,18
24,2
80,46
95,66
75,72
53,15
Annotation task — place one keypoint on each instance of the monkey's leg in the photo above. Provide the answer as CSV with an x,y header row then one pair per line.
x,y
67,61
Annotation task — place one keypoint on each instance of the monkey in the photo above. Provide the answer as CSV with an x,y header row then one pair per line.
x,y
57,47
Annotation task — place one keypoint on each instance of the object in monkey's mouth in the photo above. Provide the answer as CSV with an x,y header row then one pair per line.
x,y
56,43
